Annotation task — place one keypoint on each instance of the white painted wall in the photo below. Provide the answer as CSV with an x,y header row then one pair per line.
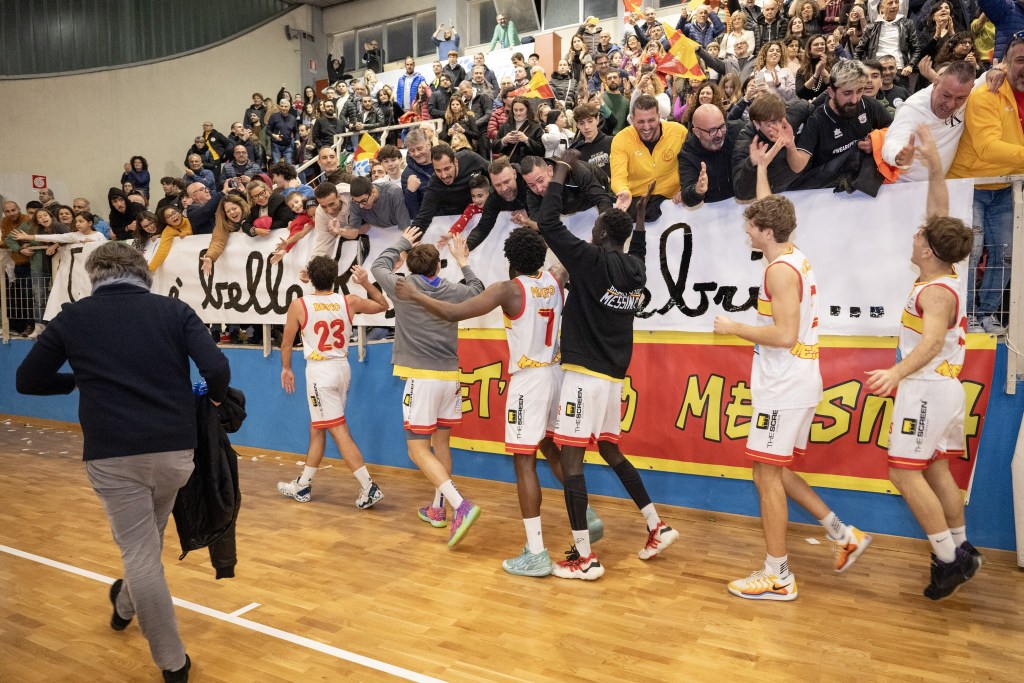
x,y
80,130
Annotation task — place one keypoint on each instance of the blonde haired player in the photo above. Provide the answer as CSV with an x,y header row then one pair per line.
x,y
785,388
928,415
325,319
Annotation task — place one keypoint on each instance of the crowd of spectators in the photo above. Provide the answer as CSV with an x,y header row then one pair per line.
x,y
842,87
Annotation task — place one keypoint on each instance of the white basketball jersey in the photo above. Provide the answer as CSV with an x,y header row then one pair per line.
x,y
789,378
950,360
533,334
328,327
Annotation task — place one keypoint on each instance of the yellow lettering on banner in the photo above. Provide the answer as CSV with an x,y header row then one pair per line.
x,y
697,403
483,375
629,396
326,307
877,413
739,408
837,405
972,421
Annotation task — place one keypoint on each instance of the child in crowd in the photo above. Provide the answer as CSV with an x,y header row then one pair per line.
x,y
299,227
479,191
390,158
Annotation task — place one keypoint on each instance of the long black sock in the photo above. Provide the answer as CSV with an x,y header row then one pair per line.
x,y
576,501
630,478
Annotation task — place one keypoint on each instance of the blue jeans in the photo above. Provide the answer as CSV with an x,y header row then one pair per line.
x,y
280,151
993,232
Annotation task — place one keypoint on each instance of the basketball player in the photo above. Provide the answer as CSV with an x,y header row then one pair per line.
x,y
426,355
532,304
785,389
597,346
928,416
325,318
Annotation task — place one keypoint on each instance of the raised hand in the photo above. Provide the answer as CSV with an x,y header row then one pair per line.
x,y
413,234
701,187
905,156
360,276
459,250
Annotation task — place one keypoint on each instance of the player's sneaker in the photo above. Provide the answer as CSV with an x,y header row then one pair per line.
x,y
764,586
463,518
576,567
293,489
947,577
848,549
436,517
594,525
528,564
658,538
973,568
369,497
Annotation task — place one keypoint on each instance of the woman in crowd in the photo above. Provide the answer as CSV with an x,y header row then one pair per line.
x,y
812,79
500,114
196,173
420,105
557,136
136,172
737,30
520,135
231,217
458,120
23,239
794,53
650,84
84,231
575,57
958,48
769,69
66,217
370,81
265,211
795,29
832,14
145,231
809,14
706,93
308,114
388,112
170,224
732,90
308,95
935,32
563,84
631,53
835,51
122,214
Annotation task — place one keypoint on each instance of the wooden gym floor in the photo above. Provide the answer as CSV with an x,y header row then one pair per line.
x,y
351,595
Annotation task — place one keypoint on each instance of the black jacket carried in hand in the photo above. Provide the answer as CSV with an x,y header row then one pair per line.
x,y
207,505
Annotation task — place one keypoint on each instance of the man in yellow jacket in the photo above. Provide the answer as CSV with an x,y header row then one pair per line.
x,y
645,151
992,145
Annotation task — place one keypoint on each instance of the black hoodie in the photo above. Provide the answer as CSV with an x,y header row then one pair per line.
x,y
120,220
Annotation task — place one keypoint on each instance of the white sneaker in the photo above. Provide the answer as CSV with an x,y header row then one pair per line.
x,y
658,538
973,326
293,489
369,497
38,330
991,324
764,586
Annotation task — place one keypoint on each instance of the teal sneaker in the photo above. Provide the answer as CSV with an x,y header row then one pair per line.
x,y
594,525
463,518
528,564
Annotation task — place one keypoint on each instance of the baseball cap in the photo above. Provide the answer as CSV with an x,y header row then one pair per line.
x,y
593,21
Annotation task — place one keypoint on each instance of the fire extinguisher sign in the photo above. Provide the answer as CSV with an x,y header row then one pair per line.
x,y
38,182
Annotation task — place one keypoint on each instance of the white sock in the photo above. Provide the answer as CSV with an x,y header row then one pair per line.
x,y
534,536
307,475
438,499
582,541
449,491
779,566
943,546
362,475
959,535
834,526
650,516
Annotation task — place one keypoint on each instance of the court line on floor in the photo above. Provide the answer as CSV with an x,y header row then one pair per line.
x,y
286,636
239,612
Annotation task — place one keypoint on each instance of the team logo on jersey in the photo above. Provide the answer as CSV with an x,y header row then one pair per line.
x,y
909,426
762,421
570,409
513,417
407,401
837,133
863,118
314,400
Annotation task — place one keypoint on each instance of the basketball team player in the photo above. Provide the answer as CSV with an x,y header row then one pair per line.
x,y
325,319
928,416
785,389
426,355
532,303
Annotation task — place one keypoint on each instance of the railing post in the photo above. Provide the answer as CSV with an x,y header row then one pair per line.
x,y
5,325
1014,333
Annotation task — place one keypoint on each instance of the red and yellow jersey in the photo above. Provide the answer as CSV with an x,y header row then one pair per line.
x,y
789,378
533,334
950,359
328,327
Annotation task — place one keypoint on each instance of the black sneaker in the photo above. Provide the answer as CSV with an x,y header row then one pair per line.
x,y
117,622
179,676
947,577
977,559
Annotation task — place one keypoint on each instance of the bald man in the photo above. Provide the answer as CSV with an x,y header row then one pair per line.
x,y
705,171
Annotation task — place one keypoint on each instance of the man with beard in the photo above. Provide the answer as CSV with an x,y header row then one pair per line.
x,y
643,153
616,101
478,60
418,169
841,126
326,127
890,95
240,135
438,102
408,84
705,161
448,191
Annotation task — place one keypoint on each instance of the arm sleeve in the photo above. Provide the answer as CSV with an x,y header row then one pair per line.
x,y
218,241
471,287
984,107
484,227
39,374
619,161
164,248
210,360
638,245
324,241
428,208
568,248
712,61
382,268
689,171
593,190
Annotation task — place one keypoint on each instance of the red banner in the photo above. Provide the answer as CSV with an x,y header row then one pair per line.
x,y
686,406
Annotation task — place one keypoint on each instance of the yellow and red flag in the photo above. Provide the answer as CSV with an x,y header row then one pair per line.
x,y
537,87
681,59
632,6
367,148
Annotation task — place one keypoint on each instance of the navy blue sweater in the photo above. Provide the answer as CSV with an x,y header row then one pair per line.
x,y
129,352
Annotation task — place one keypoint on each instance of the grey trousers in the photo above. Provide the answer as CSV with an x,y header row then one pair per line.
x,y
138,493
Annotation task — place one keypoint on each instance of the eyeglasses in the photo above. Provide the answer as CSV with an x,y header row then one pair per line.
x,y
712,132
260,194
362,201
